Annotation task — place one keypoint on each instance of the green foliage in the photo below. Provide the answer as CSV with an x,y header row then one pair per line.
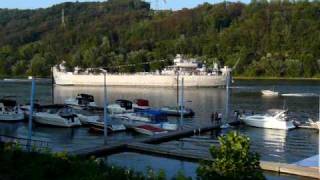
x,y
232,160
271,38
43,164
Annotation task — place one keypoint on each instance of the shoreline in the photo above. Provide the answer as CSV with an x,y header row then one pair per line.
x,y
276,78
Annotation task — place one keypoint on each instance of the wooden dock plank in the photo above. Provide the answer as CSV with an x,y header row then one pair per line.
x,y
101,150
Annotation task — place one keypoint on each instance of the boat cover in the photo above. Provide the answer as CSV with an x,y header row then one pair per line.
x,y
142,102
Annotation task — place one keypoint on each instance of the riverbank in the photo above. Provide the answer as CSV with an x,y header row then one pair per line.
x,y
276,78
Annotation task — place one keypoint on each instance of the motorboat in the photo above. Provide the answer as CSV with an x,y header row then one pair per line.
x,y
149,130
269,93
151,117
175,111
273,119
148,116
81,101
55,115
140,104
120,106
166,126
10,111
98,127
88,119
314,124
26,108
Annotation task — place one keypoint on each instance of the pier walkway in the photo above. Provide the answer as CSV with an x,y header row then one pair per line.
x,y
148,146
120,147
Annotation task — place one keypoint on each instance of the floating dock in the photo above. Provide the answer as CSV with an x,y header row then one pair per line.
x,y
114,148
147,146
294,169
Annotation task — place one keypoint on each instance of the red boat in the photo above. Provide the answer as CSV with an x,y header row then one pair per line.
x,y
149,130
140,104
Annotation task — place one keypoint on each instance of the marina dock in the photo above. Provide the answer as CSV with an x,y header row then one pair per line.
x,y
148,146
110,149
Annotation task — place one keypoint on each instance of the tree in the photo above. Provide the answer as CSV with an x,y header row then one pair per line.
x,y
232,160
38,66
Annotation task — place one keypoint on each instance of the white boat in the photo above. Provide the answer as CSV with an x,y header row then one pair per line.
x,y
61,117
149,130
314,124
269,93
81,101
133,117
163,125
120,106
167,126
98,127
273,119
151,117
10,111
195,74
88,119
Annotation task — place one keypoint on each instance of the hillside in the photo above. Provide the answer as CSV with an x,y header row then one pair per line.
x,y
276,39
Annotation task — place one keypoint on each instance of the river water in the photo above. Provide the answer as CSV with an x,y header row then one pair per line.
x,y
272,145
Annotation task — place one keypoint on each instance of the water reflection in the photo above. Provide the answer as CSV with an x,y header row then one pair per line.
x,y
204,100
290,146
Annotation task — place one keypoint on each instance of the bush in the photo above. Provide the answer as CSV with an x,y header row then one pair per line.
x,y
38,164
232,160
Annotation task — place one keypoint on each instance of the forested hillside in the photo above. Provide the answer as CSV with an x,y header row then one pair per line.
x,y
270,39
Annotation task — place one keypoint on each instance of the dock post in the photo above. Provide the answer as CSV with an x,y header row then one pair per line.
x,y
31,113
181,103
52,86
177,88
105,110
227,97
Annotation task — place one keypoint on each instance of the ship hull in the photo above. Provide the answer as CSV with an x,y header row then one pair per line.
x,y
70,79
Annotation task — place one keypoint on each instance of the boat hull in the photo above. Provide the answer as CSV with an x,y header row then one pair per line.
x,y
268,123
149,130
55,120
12,117
71,79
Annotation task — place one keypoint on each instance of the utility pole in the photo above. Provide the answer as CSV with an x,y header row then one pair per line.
x,y
181,103
105,118
31,113
227,96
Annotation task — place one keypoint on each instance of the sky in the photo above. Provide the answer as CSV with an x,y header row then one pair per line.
x,y
170,4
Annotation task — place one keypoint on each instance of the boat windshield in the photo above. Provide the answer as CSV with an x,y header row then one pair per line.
x,y
276,112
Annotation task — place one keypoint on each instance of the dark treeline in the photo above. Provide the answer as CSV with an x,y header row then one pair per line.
x,y
274,39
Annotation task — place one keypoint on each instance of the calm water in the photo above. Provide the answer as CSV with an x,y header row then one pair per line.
x,y
272,145
141,163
